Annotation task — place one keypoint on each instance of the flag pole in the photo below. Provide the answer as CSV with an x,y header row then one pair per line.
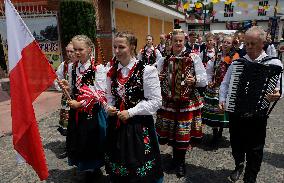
x,y
64,90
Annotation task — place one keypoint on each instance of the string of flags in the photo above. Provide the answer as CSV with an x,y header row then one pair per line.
x,y
187,5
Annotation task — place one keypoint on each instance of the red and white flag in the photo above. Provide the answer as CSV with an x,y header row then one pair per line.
x,y
30,75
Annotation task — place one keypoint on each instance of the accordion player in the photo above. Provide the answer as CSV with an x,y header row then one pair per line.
x,y
250,82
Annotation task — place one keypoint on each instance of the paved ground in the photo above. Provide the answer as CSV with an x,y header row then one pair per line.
x,y
47,103
204,164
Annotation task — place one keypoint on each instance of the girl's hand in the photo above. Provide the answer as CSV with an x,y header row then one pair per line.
x,y
123,115
210,84
74,104
222,107
64,84
111,111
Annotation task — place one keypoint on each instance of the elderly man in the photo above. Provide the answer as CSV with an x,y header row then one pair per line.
x,y
248,132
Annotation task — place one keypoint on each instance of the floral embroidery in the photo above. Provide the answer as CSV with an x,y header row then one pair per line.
x,y
144,170
119,169
146,140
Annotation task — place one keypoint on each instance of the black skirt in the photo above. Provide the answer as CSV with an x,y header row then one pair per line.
x,y
85,139
132,152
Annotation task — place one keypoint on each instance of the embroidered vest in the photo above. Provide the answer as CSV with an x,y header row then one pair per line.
x,y
134,92
151,59
189,102
221,67
88,77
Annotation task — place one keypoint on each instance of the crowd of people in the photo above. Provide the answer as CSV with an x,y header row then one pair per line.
x,y
183,82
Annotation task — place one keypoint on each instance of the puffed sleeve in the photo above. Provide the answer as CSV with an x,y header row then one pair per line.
x,y
160,64
109,96
100,78
224,88
158,56
152,93
200,72
210,70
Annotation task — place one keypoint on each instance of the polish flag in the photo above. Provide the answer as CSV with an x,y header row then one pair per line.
x,y
30,75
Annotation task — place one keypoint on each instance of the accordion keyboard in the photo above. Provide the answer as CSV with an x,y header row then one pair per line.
x,y
236,72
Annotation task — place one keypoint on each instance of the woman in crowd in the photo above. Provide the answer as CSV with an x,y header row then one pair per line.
x,y
209,52
133,95
179,119
216,71
63,73
87,119
149,54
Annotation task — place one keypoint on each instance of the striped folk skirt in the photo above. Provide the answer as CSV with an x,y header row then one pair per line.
x,y
177,128
211,115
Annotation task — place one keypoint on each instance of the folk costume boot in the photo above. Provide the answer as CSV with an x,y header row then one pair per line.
x,y
180,168
174,160
220,132
214,139
235,175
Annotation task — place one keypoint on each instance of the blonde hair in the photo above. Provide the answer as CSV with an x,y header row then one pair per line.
x,y
85,39
259,31
177,31
209,35
130,38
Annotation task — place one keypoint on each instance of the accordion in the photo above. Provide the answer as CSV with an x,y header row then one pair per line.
x,y
250,83
176,70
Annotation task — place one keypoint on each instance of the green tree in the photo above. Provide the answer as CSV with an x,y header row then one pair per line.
x,y
77,17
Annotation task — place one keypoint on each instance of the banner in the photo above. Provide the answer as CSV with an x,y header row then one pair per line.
x,y
273,27
45,31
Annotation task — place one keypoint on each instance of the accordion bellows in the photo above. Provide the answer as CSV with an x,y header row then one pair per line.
x,y
250,83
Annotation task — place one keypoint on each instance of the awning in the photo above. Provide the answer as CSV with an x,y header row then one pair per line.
x,y
149,8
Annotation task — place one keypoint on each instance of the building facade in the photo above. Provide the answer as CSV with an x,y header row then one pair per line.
x,y
140,17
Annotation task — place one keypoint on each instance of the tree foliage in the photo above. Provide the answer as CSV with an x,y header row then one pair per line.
x,y
77,17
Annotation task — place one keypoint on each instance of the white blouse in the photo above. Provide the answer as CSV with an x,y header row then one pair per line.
x,y
151,86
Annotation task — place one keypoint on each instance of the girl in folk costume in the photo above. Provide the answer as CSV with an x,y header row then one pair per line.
x,y
209,52
216,71
87,120
63,73
149,54
179,119
133,95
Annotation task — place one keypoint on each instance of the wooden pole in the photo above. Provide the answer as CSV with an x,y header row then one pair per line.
x,y
65,92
